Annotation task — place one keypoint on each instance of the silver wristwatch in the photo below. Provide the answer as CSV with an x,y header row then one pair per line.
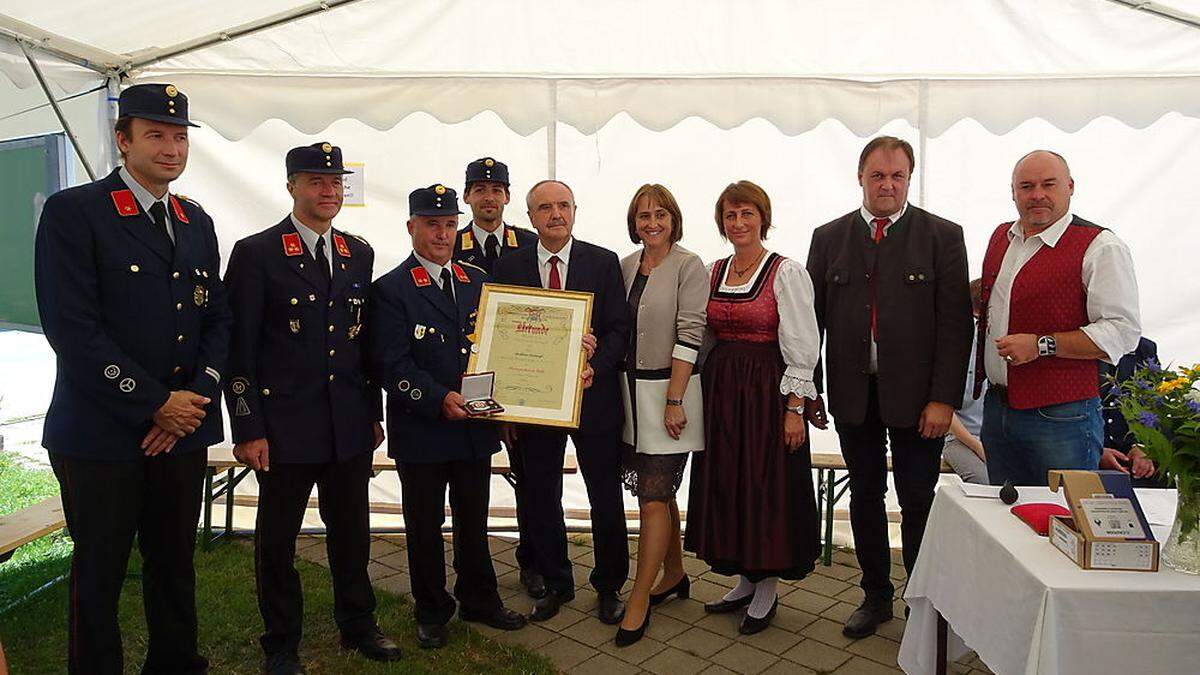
x,y
799,409
1047,346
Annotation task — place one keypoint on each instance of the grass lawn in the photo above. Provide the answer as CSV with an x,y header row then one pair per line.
x,y
34,633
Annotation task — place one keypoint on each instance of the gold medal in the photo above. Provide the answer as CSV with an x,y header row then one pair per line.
x,y
199,295
294,324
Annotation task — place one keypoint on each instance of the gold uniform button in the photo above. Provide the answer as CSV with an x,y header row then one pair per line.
x,y
921,277
295,301
176,369
331,377
178,306
911,278
463,350
179,338
266,392
332,352
330,328
134,268
174,275
331,303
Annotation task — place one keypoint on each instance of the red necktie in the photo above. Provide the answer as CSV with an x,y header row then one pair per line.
x,y
555,280
878,235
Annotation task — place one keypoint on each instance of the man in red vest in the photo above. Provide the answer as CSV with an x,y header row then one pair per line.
x,y
1059,293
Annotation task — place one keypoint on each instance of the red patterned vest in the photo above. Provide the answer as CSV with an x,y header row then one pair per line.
x,y
1048,296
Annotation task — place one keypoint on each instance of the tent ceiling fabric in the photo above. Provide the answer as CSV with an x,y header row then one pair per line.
x,y
794,64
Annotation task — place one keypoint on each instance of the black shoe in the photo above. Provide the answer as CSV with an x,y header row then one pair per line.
x,y
612,610
864,620
373,645
282,663
627,637
431,635
683,588
501,619
751,625
547,608
534,583
727,606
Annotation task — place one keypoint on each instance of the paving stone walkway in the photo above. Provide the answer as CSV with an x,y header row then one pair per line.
x,y
805,636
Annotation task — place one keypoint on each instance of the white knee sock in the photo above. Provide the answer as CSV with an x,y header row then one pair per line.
x,y
764,598
744,588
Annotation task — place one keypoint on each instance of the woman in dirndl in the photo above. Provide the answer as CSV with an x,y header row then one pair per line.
x,y
751,506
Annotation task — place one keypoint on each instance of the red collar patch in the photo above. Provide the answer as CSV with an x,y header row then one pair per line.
x,y
292,246
421,276
339,242
461,274
179,214
125,202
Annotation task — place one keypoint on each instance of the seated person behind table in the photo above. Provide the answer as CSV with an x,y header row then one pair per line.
x,y
963,450
1120,454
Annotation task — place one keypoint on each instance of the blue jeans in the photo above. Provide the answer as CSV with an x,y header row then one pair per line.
x,y
1023,445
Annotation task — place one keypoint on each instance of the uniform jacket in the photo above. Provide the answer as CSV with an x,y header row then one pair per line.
x,y
924,322
129,319
596,270
298,366
468,249
420,350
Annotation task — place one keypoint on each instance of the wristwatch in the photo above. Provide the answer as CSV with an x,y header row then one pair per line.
x,y
1047,346
799,409
674,401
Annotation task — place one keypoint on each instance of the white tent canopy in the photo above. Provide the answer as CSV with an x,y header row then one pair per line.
x,y
608,95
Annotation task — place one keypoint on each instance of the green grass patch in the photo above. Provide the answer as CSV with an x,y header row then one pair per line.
x,y
35,635
40,561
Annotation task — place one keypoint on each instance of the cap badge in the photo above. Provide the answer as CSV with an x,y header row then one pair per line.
x,y
489,162
326,147
439,189
171,91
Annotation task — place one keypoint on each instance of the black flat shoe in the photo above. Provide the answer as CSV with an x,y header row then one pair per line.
x,y
547,608
611,609
727,606
866,618
627,637
534,583
372,644
751,625
682,588
431,635
501,619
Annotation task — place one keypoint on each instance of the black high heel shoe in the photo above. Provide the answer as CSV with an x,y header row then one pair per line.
x,y
682,588
627,637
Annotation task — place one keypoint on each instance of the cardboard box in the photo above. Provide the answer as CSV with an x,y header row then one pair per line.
x,y
1107,528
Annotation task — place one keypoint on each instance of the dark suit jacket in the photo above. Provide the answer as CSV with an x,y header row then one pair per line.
x,y
298,367
924,322
596,270
420,350
1116,429
468,249
129,318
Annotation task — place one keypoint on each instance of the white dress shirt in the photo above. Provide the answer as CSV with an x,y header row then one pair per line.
x,y
873,363
1108,278
145,199
481,235
799,340
543,256
435,270
310,238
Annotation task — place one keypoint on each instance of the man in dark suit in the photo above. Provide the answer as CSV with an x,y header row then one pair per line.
x,y
482,242
559,261
1120,453
304,410
131,301
892,299
421,332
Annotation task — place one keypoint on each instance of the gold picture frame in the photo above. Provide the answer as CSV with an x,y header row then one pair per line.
x,y
533,339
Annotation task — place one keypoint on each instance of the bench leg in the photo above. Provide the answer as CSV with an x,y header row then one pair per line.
x,y
830,499
942,649
229,487
206,538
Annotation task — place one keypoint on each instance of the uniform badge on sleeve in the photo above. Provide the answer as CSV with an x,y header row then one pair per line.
x,y
339,242
420,276
125,202
292,245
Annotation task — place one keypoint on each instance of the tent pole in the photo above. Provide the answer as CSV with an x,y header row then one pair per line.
x,y
922,136
1163,11
109,155
62,119
552,134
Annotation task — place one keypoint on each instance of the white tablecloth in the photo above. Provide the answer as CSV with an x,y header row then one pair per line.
x,y
1024,607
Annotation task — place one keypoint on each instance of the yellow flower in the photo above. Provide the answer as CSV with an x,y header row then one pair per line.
x,y
1169,386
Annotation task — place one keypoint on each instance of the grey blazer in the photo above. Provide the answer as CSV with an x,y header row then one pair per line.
x,y
672,314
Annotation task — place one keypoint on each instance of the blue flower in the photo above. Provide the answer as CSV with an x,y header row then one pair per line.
x,y
1153,365
1193,406
1148,419
1141,384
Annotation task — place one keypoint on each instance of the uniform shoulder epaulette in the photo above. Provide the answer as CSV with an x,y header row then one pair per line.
x,y
474,267
351,234
188,199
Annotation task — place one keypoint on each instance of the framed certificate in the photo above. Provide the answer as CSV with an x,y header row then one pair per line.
x,y
532,339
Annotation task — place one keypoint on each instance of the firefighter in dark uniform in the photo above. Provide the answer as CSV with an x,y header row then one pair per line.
x,y
132,304
302,407
482,242
423,314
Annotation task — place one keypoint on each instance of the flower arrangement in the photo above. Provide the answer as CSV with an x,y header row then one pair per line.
x,y
1162,407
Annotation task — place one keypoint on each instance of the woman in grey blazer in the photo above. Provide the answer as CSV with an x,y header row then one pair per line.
x,y
667,287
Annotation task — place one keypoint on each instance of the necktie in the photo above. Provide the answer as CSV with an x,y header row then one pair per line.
x,y
878,235
159,213
491,249
323,262
447,288
555,280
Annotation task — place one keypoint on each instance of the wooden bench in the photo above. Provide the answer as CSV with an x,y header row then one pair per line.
x,y
32,522
221,460
830,490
